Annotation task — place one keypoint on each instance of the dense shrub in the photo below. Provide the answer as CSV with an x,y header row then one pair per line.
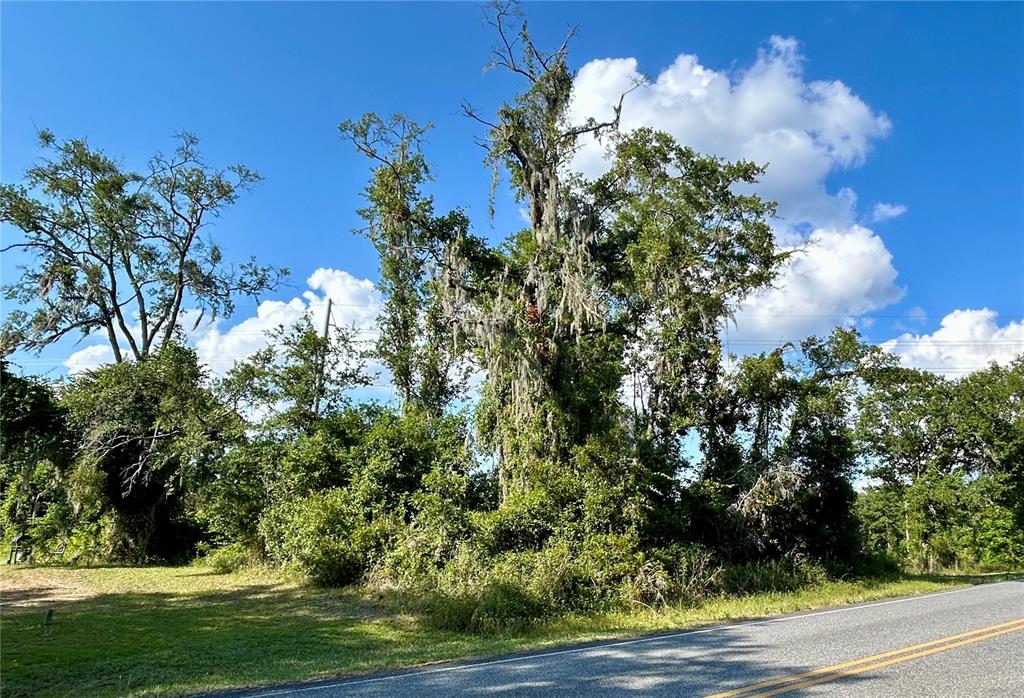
x,y
84,544
421,548
239,493
482,593
787,574
524,521
479,591
230,558
498,607
326,537
693,571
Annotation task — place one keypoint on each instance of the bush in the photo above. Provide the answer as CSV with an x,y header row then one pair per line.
x,y
421,549
786,574
166,426
84,545
406,565
479,592
230,558
231,503
499,607
877,566
693,570
325,536
556,576
400,451
525,521
610,564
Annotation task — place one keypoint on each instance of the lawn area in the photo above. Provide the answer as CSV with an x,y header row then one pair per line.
x,y
180,630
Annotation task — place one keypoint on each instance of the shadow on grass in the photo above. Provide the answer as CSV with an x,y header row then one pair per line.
x,y
27,597
159,643
114,644
264,633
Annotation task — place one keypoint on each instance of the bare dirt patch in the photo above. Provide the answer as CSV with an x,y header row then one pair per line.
x,y
29,588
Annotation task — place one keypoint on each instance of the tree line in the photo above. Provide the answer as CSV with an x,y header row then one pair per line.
x,y
612,450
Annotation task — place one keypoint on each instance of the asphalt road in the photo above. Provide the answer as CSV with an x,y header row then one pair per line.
x,y
956,643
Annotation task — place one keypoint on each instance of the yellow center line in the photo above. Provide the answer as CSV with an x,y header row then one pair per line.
x,y
890,662
836,671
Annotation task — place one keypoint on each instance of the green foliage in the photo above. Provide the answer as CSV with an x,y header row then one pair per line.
x,y
408,238
482,593
497,608
91,228
36,448
794,476
232,501
691,250
905,425
150,431
786,574
230,558
693,570
948,455
944,522
325,536
525,521
616,457
369,488
300,377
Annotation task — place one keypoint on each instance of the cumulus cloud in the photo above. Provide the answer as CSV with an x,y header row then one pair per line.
x,y
804,130
967,340
885,212
836,277
89,358
355,304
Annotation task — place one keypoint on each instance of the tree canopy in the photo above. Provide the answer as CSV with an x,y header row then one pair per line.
x,y
569,432
119,252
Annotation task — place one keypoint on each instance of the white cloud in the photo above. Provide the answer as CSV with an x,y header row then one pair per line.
x,y
967,340
838,276
220,350
767,113
355,304
804,131
885,212
90,358
917,314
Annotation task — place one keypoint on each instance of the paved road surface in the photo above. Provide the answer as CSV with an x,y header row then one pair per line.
x,y
956,643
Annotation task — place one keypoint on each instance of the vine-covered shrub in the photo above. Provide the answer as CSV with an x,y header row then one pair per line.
x,y
326,537
787,574
525,521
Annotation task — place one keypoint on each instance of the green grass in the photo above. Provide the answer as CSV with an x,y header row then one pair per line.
x,y
179,630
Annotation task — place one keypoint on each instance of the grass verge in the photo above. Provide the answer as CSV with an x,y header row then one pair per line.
x,y
161,631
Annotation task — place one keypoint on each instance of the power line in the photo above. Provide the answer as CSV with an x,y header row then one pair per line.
x,y
748,343
817,316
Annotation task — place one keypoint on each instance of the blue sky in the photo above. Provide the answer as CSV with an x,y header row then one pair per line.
x,y
916,106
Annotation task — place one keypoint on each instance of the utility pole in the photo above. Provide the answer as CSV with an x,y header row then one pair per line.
x,y
323,362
